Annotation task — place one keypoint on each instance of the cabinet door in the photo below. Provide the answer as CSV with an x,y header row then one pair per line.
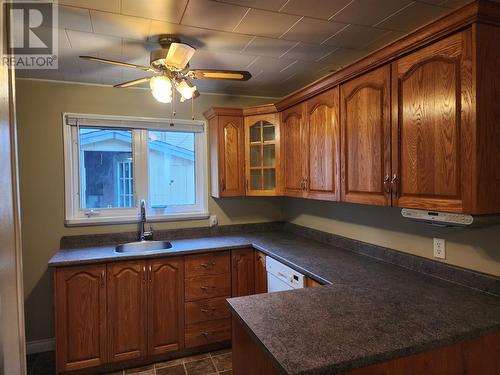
x,y
262,155
127,312
80,308
243,272
366,138
260,272
231,154
165,305
322,139
294,151
432,126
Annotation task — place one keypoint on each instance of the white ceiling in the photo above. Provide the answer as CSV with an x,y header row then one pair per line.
x,y
285,44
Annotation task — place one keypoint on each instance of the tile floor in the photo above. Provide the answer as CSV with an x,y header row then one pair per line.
x,y
214,363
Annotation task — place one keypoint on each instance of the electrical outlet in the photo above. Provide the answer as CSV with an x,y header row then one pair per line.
x,y
439,248
213,220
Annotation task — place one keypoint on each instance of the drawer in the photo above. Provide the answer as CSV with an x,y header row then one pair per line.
x,y
204,333
205,310
207,264
204,287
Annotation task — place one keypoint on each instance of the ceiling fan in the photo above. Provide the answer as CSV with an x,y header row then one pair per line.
x,y
171,63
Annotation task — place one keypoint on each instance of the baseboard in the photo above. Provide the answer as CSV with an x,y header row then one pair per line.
x,y
39,346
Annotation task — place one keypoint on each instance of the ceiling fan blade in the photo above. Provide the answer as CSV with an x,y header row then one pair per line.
x,y
179,55
233,75
119,63
132,83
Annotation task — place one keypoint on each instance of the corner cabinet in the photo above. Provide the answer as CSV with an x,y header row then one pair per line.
x,y
226,139
262,155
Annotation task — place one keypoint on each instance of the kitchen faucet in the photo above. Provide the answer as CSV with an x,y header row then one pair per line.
x,y
143,234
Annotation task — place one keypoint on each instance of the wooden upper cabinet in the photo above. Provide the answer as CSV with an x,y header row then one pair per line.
x,y
243,272
262,155
165,305
322,136
294,161
226,152
127,311
366,132
80,307
432,129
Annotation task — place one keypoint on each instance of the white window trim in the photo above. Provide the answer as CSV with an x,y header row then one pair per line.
x,y
74,216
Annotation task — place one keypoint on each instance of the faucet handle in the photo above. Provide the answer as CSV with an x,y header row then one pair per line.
x,y
148,235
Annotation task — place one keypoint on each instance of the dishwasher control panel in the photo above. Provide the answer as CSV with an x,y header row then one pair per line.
x,y
282,277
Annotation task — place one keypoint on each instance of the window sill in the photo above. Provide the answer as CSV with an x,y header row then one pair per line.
x,y
81,222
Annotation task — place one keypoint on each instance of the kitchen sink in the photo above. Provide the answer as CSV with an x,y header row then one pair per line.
x,y
143,246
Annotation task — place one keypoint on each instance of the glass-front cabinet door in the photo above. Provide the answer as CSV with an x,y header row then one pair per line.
x,y
262,160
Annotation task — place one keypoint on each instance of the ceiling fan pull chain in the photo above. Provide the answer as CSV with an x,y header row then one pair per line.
x,y
192,107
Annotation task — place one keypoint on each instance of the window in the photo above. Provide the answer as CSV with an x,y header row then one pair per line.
x,y
113,162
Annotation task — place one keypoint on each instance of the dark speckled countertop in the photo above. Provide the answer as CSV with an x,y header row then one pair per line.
x,y
373,311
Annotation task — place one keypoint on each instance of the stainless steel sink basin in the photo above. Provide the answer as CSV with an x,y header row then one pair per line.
x,y
143,246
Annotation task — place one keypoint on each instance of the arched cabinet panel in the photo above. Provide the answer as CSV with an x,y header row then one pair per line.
x,y
366,132
432,132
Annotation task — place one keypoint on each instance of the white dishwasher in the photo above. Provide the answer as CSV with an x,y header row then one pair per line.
x,y
281,277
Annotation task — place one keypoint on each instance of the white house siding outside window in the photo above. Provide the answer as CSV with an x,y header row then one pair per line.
x,y
113,162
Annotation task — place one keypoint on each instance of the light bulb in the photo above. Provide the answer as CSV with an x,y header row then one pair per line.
x,y
161,88
185,88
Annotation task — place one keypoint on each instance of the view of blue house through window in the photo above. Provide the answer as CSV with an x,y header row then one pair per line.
x,y
107,168
114,162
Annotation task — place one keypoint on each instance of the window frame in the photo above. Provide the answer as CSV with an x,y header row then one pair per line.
x,y
75,216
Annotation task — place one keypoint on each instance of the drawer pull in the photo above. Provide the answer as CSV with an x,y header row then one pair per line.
x,y
204,265
204,287
206,334
208,311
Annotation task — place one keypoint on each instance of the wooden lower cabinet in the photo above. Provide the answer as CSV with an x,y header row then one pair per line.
x,y
260,273
80,309
243,272
207,285
127,310
165,305
311,283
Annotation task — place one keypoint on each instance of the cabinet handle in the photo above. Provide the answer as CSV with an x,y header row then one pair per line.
x,y
150,273
204,265
387,180
305,183
102,279
144,275
205,334
223,184
204,287
394,184
246,184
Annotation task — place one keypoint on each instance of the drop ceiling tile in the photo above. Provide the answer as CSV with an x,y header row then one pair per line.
x,y
120,25
104,5
265,23
163,10
267,65
323,9
204,59
453,3
355,36
414,16
308,52
274,5
213,15
342,57
383,41
51,74
74,19
312,30
369,12
85,43
268,47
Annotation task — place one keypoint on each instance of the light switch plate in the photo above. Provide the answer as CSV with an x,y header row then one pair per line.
x,y
439,248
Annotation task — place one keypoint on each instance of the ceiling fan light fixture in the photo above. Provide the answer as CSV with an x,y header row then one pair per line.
x,y
161,88
185,88
178,56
